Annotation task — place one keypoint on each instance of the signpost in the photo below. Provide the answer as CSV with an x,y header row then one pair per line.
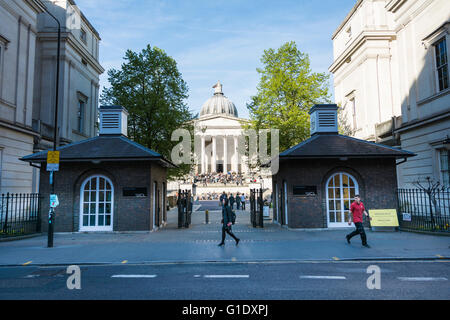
x,y
52,166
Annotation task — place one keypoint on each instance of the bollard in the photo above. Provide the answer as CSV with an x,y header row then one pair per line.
x,y
206,216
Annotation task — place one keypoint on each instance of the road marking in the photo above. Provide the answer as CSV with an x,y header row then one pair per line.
x,y
124,261
27,263
324,277
134,276
215,276
422,278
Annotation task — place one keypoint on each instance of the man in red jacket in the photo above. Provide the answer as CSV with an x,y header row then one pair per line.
x,y
357,209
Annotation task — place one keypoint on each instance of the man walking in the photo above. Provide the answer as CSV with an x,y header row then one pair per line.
x,y
231,199
357,209
243,201
227,221
238,201
223,196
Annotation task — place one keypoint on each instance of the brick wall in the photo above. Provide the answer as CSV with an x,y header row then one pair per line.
x,y
376,179
130,213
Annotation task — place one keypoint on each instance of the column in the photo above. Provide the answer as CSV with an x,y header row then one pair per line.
x,y
207,155
225,154
214,155
236,157
202,156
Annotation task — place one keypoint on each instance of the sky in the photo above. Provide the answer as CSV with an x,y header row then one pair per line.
x,y
216,40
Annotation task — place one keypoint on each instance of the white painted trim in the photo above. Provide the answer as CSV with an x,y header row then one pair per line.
x,y
96,228
342,224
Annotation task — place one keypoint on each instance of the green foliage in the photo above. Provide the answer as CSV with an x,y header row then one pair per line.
x,y
153,91
287,90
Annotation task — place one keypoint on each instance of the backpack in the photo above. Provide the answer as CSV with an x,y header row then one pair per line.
x,y
233,217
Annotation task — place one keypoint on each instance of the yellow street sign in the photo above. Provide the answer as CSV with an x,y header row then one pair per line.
x,y
383,218
53,157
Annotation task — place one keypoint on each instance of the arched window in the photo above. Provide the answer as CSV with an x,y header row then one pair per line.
x,y
96,204
341,188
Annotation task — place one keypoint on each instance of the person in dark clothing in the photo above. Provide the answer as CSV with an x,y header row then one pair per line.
x,y
226,223
223,196
238,201
231,199
357,209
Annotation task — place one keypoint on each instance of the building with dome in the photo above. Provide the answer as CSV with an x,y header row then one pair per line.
x,y
217,130
219,166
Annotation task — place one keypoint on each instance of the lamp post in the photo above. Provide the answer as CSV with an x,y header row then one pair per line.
x,y
51,217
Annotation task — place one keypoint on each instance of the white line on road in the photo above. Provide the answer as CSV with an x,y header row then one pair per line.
x,y
134,276
422,278
323,277
226,276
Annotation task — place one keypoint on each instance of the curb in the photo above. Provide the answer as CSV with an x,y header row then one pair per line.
x,y
28,236
160,262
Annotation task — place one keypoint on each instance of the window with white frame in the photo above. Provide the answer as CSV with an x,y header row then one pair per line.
x,y
440,48
444,159
83,36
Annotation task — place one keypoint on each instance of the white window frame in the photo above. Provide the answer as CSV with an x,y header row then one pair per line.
x,y
96,228
3,47
435,70
355,181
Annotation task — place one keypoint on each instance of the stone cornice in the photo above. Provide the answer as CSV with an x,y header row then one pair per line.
x,y
362,38
36,5
394,5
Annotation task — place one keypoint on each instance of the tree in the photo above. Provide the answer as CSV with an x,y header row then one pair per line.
x,y
153,91
287,90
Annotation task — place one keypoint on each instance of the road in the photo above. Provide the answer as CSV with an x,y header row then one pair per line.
x,y
231,281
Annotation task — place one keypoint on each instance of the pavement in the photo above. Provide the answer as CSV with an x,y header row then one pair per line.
x,y
198,243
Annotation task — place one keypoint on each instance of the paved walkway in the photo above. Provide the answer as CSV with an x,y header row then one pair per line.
x,y
199,243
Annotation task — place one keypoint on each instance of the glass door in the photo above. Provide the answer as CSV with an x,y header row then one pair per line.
x,y
96,204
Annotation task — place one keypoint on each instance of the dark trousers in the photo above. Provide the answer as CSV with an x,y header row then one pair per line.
x,y
359,230
238,204
227,230
243,205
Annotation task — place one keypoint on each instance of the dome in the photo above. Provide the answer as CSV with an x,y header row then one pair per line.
x,y
218,104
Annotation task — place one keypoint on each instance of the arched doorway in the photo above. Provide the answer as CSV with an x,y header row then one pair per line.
x,y
96,204
341,188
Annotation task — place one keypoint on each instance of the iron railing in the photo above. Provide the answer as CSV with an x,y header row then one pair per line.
x,y
185,204
19,213
422,210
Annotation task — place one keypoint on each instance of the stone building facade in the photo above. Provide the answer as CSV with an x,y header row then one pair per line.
x,y
391,79
27,83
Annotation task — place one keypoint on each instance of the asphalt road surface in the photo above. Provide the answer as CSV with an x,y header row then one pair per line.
x,y
232,281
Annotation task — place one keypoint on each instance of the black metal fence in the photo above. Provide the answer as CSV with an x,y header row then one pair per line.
x,y
256,208
424,211
19,213
184,203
